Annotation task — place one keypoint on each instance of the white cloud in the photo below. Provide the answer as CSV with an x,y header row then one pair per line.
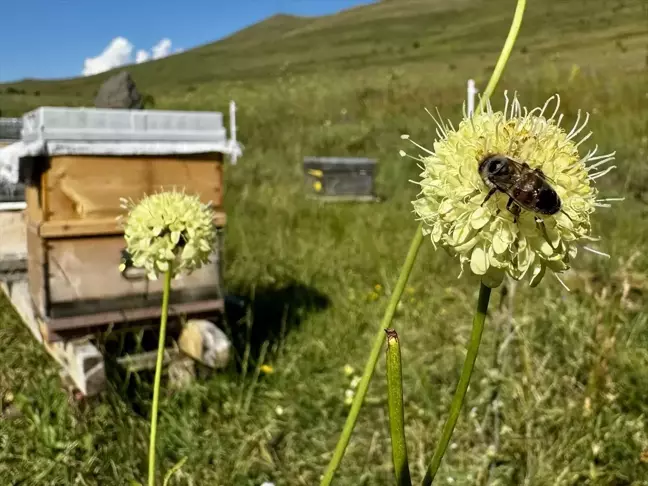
x,y
116,54
142,56
161,49
120,53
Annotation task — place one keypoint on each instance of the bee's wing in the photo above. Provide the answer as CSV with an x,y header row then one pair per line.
x,y
507,181
537,170
544,176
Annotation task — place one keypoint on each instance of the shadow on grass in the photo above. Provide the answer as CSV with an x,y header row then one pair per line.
x,y
258,315
257,319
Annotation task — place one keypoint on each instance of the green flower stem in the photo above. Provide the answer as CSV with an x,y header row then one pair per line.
x,y
504,55
462,386
396,414
484,292
363,386
158,374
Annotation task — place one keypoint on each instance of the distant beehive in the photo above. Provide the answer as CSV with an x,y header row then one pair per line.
x,y
9,133
9,130
340,178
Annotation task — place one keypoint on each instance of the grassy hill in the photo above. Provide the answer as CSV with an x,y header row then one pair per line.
x,y
437,36
560,391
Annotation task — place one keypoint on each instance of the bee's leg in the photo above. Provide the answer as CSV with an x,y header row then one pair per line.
x,y
468,197
488,196
540,223
568,216
515,248
514,209
539,171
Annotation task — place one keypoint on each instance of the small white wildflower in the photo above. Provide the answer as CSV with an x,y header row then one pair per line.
x,y
279,410
355,381
456,215
596,449
348,396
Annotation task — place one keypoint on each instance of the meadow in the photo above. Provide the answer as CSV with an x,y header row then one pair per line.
x,y
560,391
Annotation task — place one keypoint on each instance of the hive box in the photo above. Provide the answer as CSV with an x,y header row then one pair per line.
x,y
74,180
340,178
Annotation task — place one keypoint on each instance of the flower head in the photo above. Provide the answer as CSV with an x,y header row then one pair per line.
x,y
515,240
168,230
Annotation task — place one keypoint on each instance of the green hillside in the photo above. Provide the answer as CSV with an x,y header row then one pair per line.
x,y
437,36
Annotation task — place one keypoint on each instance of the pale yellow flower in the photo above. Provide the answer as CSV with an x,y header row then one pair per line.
x,y
484,234
168,230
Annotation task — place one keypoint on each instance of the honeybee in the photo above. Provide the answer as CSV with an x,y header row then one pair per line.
x,y
526,188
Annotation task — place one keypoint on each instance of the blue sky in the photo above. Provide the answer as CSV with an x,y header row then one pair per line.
x,y
53,38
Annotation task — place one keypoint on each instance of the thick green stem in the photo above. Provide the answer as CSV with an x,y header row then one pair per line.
x,y
158,375
363,386
396,413
462,386
504,55
484,292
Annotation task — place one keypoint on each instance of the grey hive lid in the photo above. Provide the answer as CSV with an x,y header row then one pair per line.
x,y
122,125
339,163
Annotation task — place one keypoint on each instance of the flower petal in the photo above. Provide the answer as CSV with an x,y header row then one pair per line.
x,y
480,217
479,261
537,274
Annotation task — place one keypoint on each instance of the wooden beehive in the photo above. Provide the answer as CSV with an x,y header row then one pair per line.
x,y
340,178
74,241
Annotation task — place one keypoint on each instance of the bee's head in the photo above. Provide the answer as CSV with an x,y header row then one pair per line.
x,y
494,165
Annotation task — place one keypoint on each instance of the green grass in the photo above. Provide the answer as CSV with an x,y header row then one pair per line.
x,y
572,379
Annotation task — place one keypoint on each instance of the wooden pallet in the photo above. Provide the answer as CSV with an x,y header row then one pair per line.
x,y
82,364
